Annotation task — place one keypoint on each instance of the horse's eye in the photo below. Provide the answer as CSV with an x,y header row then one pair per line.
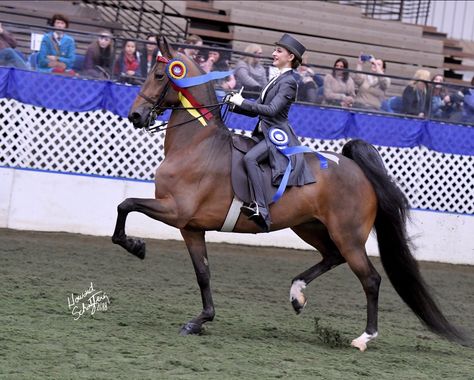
x,y
159,76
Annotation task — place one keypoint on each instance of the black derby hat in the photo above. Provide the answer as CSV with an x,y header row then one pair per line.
x,y
292,45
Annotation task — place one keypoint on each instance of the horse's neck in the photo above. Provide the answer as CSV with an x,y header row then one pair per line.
x,y
187,132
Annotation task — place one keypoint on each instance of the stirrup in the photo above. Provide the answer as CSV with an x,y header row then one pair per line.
x,y
251,210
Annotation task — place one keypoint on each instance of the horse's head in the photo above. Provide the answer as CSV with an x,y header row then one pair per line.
x,y
158,93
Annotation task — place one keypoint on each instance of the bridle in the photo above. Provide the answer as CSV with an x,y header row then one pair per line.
x,y
157,107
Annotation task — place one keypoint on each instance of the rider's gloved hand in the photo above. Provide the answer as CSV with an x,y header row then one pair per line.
x,y
236,99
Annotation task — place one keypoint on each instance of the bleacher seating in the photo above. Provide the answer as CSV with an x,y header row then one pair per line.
x,y
36,14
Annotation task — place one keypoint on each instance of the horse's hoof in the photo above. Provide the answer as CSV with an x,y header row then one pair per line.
x,y
298,305
190,328
360,345
138,248
361,342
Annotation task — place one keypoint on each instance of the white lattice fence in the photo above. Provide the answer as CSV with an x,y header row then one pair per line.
x,y
104,144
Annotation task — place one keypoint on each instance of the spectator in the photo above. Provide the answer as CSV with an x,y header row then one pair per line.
x,y
414,99
339,88
442,105
58,50
148,55
216,62
8,55
307,87
193,53
249,72
127,65
468,104
213,56
99,57
371,89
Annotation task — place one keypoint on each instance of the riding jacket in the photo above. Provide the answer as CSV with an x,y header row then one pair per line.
x,y
272,107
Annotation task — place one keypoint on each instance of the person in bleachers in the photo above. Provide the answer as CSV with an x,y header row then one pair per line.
x,y
216,61
249,72
148,55
443,103
307,87
468,104
193,53
58,49
99,57
339,88
127,64
371,89
415,98
8,55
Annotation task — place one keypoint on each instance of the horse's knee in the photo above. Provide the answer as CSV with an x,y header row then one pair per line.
x,y
125,206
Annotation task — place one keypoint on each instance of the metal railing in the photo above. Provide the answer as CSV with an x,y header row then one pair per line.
x,y
412,11
454,110
140,18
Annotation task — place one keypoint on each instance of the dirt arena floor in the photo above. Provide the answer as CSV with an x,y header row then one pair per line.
x,y
50,328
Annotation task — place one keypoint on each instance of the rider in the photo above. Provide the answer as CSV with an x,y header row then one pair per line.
x,y
272,108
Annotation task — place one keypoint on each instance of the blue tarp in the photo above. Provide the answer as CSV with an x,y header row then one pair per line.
x,y
77,94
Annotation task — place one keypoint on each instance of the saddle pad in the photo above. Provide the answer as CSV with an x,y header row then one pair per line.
x,y
240,183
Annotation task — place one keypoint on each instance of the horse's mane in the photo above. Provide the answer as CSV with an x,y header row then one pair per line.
x,y
210,91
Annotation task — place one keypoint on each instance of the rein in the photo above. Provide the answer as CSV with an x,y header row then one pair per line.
x,y
176,71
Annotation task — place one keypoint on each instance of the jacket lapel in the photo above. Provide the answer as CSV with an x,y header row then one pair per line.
x,y
273,84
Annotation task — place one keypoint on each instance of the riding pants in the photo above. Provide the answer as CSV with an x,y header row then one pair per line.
x,y
252,159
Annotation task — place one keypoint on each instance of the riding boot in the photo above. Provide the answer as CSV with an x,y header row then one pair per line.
x,y
257,214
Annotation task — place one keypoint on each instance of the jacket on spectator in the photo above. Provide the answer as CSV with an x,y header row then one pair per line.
x,y
145,65
335,89
415,101
371,90
7,40
98,61
65,50
252,78
126,63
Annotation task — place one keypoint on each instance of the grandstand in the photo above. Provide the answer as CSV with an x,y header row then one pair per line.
x,y
329,30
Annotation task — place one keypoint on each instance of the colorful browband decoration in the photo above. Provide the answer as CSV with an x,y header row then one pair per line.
x,y
177,70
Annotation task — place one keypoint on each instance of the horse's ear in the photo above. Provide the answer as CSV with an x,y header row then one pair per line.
x,y
165,48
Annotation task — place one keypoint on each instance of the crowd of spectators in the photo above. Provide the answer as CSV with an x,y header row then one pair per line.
x,y
366,88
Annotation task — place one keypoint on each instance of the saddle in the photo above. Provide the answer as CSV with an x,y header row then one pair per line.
x,y
240,181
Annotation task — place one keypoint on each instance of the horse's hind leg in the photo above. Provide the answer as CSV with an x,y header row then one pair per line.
x,y
197,249
316,235
353,250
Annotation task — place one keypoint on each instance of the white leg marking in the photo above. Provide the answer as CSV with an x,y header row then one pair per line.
x,y
296,291
361,342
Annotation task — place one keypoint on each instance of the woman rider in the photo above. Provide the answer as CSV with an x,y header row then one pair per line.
x,y
272,109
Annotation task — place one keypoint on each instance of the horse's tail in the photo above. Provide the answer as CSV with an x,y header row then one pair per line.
x,y
394,245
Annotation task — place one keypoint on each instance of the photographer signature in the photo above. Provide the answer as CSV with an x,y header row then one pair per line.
x,y
89,301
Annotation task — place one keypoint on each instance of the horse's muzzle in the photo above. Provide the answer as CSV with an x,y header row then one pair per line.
x,y
136,119
139,116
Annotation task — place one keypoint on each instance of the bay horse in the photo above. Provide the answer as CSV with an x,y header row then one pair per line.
x,y
193,192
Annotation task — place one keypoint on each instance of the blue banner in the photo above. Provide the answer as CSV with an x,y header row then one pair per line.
x,y
78,94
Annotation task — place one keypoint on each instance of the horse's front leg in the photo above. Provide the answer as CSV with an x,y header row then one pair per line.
x,y
197,249
154,208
